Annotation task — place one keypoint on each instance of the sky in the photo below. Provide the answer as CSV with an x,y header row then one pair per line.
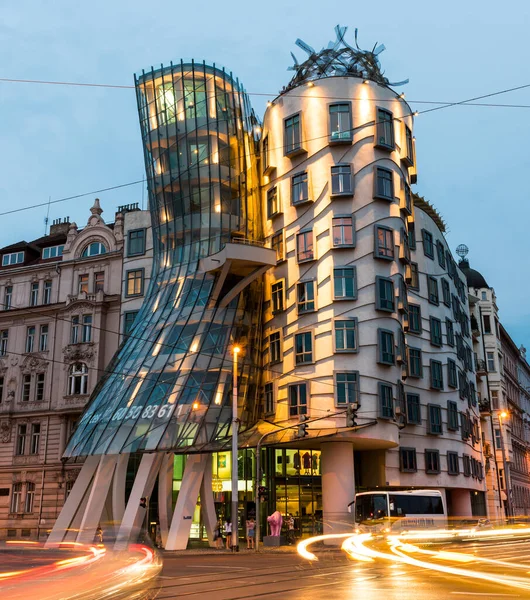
x,y
60,141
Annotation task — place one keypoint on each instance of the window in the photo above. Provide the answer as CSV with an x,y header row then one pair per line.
x,y
1,389
452,380
343,232
435,419
275,347
299,189
277,244
441,253
47,293
34,295
467,466
341,180
8,297
412,236
432,461
414,277
409,147
345,335
340,128
446,292
449,328
484,295
487,324
30,497
87,328
4,338
304,246
52,252
384,242
43,338
303,345
384,183
432,286
269,398
14,258
74,332
346,388
408,198
498,439
386,401
297,399
453,467
99,282
292,134
415,363
35,438
415,324
384,296
413,409
128,322
16,498
344,283
68,488
273,202
30,339
495,399
277,295
387,350
135,283
136,242
94,249
384,129
305,297
452,415
82,287
437,379
490,358
407,460
436,331
265,154
26,388
22,432
39,387
428,244
78,379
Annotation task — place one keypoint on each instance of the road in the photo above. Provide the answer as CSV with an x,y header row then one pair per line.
x,y
336,577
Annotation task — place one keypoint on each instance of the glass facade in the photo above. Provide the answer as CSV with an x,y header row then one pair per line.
x,y
169,386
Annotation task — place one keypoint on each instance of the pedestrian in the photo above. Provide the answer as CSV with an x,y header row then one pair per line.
x,y
99,535
228,533
251,532
218,535
290,530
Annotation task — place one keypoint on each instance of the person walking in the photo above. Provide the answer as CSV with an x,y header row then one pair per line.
x,y
99,535
228,533
290,530
251,532
218,535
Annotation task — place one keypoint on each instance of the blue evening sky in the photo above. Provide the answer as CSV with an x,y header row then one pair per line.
x,y
59,141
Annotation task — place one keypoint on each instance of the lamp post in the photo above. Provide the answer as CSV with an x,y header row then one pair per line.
x,y
235,494
502,415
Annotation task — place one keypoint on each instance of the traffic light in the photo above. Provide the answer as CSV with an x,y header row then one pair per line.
x,y
351,414
302,427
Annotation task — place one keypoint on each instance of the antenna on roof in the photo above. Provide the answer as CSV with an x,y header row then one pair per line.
x,y
47,217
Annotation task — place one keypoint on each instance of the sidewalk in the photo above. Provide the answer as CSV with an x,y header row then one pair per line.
x,y
203,550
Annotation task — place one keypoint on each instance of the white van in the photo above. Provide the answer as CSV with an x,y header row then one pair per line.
x,y
399,510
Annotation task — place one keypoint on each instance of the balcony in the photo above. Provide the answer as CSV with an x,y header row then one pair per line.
x,y
484,406
480,367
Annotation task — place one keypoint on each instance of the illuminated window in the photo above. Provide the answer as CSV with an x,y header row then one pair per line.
x,y
384,129
195,98
343,232
135,283
340,122
94,249
99,282
304,246
341,180
383,184
167,106
384,242
83,284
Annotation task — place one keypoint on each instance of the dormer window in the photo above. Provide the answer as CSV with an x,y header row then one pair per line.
x,y
94,249
14,258
52,252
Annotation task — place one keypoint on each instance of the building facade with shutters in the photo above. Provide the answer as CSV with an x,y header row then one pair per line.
x,y
59,326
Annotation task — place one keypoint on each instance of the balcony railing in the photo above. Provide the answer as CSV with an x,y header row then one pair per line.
x,y
480,365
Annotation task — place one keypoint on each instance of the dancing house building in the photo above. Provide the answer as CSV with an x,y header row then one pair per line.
x,y
303,243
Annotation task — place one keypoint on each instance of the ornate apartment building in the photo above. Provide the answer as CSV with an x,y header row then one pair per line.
x,y
60,319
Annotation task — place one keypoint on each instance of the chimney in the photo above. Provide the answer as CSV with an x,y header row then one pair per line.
x,y
60,226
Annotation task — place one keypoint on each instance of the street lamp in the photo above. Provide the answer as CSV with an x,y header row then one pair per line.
x,y
235,500
503,415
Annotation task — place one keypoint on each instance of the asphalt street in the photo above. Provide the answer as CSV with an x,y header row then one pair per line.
x,y
334,576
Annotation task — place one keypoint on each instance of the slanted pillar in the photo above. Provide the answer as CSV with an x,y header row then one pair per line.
x,y
338,486
165,495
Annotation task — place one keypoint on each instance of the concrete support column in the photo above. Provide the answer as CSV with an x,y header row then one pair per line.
x,y
461,503
209,516
338,486
118,488
165,495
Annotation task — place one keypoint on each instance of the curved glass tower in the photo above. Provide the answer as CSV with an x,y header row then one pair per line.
x,y
169,386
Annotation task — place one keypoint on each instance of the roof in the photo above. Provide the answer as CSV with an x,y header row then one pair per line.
x,y
12,247
473,277
428,208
